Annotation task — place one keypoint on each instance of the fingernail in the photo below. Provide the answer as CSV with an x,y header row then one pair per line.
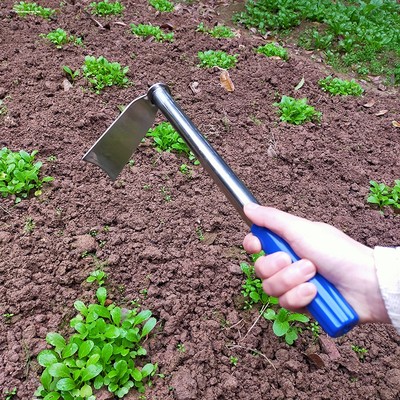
x,y
252,206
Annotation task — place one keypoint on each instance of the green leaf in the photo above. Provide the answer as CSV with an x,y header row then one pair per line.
x,y
52,396
98,382
56,340
298,317
85,348
291,336
136,375
59,370
148,369
280,328
148,326
69,350
116,315
112,332
91,371
86,391
46,358
46,379
106,352
80,306
142,316
65,384
101,295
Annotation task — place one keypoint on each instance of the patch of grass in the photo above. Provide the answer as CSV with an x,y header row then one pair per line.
x,y
342,87
273,50
296,111
103,352
218,31
216,58
166,138
154,31
59,38
24,9
162,5
101,73
106,8
358,35
19,174
383,195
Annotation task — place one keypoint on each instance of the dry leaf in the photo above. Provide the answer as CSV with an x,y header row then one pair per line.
x,y
396,124
275,58
381,112
194,87
226,81
316,359
369,104
300,84
67,85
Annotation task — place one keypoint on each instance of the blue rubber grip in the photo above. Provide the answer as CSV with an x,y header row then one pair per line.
x,y
335,316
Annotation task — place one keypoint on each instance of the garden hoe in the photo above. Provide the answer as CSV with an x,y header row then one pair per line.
x,y
115,147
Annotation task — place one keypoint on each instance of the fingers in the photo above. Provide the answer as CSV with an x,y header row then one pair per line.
x,y
251,244
299,297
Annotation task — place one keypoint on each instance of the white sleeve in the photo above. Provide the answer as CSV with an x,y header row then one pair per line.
x,y
387,264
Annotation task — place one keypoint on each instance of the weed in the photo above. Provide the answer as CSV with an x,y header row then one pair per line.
x,y
185,169
296,111
166,138
25,8
233,360
52,158
166,194
181,348
29,225
19,174
162,5
59,38
71,75
199,233
147,187
105,8
101,73
360,351
315,329
383,195
336,86
273,50
97,276
102,353
218,31
154,31
3,108
216,58
10,393
8,316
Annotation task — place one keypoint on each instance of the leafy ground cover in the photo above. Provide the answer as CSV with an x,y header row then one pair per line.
x,y
164,235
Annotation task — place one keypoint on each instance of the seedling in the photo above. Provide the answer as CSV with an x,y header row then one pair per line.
x,y
3,108
8,316
233,360
166,194
97,276
360,351
336,86
216,58
19,174
103,352
218,31
154,31
25,8
166,138
199,233
59,38
105,8
185,169
273,50
52,158
162,5
181,348
315,329
297,111
10,393
383,195
29,225
71,75
101,73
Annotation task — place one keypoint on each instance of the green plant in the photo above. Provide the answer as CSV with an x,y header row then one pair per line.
x,y
101,73
19,174
24,8
199,233
105,8
218,31
59,38
71,75
383,195
10,393
97,276
29,225
166,138
8,316
3,108
154,31
273,50
102,353
181,348
216,58
166,194
315,329
162,5
233,360
341,87
360,351
296,111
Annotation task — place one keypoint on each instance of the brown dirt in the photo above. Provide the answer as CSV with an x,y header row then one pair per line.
x,y
321,171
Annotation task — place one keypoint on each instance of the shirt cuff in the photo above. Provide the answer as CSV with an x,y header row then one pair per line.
x,y
387,264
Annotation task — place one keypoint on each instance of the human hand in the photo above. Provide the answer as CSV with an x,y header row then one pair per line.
x,y
346,263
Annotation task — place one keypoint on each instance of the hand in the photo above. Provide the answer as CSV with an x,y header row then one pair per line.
x,y
346,263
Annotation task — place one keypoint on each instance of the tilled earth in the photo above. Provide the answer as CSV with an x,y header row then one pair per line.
x,y
148,243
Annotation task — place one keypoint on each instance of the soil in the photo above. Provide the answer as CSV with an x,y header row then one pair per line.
x,y
318,170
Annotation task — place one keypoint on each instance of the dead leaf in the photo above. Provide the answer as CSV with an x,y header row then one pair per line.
x,y
226,81
396,124
194,87
369,104
316,359
209,238
271,152
300,84
275,58
381,112
67,85
167,26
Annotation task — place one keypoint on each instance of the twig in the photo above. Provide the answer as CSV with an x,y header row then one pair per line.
x,y
6,211
94,20
252,350
264,307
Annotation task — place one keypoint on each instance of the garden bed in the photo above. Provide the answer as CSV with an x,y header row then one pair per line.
x,y
170,240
